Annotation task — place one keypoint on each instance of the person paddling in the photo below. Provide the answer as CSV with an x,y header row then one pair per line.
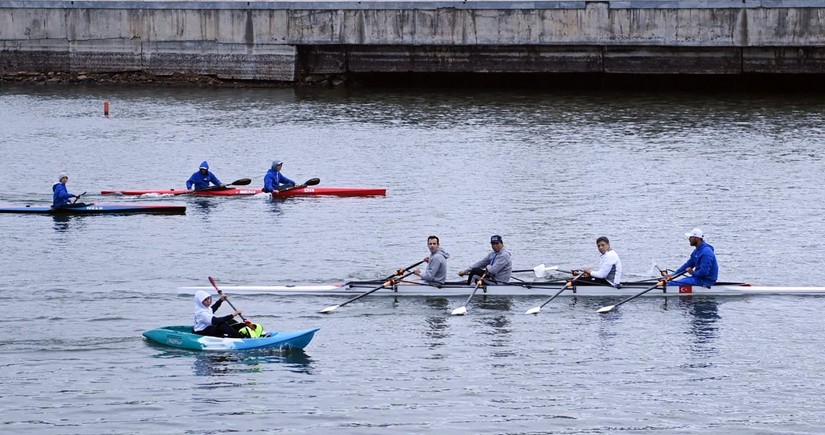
x,y
701,265
202,178
275,180
436,272
206,323
610,266
498,264
61,196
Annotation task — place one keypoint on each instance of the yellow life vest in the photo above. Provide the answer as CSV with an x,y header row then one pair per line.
x,y
255,332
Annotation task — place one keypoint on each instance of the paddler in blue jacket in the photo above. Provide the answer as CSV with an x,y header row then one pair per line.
x,y
701,265
202,178
61,196
497,264
275,180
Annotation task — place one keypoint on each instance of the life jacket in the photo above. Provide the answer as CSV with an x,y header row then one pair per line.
x,y
254,332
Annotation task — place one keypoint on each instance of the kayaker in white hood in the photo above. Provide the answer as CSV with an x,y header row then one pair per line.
x,y
206,323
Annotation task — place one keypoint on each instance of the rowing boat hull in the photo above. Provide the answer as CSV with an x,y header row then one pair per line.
x,y
232,191
181,337
330,191
99,209
522,289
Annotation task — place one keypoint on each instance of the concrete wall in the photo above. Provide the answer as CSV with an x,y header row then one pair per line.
x,y
277,40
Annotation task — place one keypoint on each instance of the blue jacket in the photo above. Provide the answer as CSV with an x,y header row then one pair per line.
x,y
201,181
61,196
273,179
703,262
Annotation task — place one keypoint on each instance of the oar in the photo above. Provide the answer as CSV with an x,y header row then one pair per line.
x,y
534,269
462,310
610,308
383,285
541,270
568,284
214,284
239,182
310,182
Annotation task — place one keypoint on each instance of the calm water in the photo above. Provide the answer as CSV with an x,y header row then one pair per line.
x,y
550,172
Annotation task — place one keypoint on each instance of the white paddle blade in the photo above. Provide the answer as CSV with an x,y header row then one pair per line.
x,y
329,309
534,310
460,311
606,309
540,271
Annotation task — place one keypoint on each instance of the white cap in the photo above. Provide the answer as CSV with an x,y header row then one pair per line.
x,y
62,176
696,232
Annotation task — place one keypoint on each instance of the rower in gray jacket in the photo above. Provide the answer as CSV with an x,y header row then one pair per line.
x,y
498,264
436,272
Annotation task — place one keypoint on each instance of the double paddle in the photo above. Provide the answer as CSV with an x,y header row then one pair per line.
x,y
610,308
387,283
310,182
214,284
240,182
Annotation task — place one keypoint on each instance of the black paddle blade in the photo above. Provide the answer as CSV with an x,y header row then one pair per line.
x,y
242,182
312,182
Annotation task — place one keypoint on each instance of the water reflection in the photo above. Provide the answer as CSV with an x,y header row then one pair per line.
x,y
704,314
212,364
63,223
203,204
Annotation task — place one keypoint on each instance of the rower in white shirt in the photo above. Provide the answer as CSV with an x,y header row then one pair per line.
x,y
610,266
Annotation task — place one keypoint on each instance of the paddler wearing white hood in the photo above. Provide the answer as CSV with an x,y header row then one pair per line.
x,y
206,323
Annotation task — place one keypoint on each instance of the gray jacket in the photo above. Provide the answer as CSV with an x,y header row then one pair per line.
x,y
499,265
436,272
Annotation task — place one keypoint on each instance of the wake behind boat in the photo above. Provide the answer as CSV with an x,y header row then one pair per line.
x,y
92,208
537,288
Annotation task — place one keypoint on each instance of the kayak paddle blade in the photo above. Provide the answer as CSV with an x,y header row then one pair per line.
x,y
534,310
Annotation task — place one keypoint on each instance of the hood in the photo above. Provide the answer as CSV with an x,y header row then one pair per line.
x,y
443,252
200,295
275,164
204,165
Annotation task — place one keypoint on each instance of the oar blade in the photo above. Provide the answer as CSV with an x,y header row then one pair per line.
x,y
329,309
534,310
312,182
242,182
460,311
539,271
606,309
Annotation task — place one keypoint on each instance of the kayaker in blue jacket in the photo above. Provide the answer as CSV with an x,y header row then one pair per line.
x,y
701,265
202,178
206,323
436,272
61,196
275,180
497,264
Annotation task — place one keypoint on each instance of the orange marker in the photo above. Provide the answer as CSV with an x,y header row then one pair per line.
x,y
106,108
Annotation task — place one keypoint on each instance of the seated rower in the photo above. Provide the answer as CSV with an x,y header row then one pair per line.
x,y
274,180
61,197
701,265
206,323
201,179
497,265
610,266
436,272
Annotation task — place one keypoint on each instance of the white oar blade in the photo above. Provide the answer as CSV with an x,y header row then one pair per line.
x,y
606,309
330,309
534,310
460,311
540,271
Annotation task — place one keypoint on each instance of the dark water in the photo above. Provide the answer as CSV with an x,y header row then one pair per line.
x,y
550,172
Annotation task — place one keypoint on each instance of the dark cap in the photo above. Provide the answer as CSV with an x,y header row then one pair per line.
x,y
496,239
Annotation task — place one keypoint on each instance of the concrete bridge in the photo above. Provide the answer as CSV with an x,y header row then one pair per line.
x,y
291,40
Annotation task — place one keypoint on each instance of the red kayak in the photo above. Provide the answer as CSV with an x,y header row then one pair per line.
x,y
236,191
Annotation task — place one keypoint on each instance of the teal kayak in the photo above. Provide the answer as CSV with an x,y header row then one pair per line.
x,y
182,337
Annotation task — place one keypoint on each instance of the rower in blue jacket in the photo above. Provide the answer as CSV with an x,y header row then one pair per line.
x,y
202,178
61,196
275,180
701,265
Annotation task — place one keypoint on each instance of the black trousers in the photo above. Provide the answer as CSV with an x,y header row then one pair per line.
x,y
475,273
220,330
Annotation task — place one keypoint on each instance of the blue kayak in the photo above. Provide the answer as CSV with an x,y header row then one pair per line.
x,y
98,209
182,337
